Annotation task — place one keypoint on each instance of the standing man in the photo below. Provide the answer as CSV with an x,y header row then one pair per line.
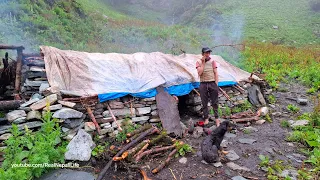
x,y
207,70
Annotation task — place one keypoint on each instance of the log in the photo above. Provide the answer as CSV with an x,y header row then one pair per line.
x,y
4,46
137,148
154,150
93,119
18,75
161,166
141,150
12,104
126,147
139,130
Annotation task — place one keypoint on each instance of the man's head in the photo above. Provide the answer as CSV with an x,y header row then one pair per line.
x,y
206,51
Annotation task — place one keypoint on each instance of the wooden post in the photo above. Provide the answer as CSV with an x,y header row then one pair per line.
x,y
18,74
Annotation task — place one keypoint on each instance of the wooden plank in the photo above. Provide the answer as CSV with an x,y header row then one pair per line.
x,y
168,112
4,46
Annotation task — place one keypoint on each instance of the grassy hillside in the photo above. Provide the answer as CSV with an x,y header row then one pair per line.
x,y
90,26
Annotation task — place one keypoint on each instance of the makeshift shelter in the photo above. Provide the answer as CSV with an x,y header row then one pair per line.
x,y
114,75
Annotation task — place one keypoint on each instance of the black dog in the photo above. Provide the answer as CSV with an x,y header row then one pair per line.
x,y
210,146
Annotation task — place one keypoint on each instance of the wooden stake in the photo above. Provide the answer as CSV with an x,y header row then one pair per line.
x,y
196,92
225,94
114,118
93,119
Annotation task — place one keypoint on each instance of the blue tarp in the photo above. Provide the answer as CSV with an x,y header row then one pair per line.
x,y
177,90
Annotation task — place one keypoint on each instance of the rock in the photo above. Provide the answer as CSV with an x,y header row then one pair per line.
x,y
204,162
149,99
71,135
293,158
19,120
34,83
184,127
259,122
246,141
142,118
142,111
290,144
276,114
183,160
53,107
269,150
238,178
153,107
264,111
302,101
250,129
63,129
217,164
106,125
300,123
66,113
28,103
230,135
80,147
113,133
118,112
198,131
114,124
155,120
43,102
232,155
35,96
43,87
116,105
26,109
89,126
106,130
66,103
67,174
154,113
289,172
13,115
34,115
235,167
195,100
30,125
5,136
72,123
275,27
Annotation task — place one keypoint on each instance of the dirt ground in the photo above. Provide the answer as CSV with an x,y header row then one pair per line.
x,y
270,141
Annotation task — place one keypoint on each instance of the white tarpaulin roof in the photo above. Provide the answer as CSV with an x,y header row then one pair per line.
x,y
96,73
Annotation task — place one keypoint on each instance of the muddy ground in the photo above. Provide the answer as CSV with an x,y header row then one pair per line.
x,y
270,141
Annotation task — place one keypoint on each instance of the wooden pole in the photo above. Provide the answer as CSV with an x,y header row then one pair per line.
x,y
225,94
4,46
18,74
93,119
114,118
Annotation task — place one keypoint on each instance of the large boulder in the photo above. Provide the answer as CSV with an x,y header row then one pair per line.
x,y
80,147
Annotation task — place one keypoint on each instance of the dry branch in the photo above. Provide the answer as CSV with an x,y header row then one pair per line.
x,y
254,118
141,150
161,166
144,174
105,169
154,150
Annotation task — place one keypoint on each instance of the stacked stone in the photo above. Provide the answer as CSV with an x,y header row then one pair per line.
x,y
237,97
33,76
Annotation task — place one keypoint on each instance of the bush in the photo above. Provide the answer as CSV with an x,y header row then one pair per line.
x,y
43,146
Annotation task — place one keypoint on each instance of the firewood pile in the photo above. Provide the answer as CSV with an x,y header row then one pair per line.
x,y
142,144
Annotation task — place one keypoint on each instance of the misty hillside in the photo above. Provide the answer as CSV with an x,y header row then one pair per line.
x,y
163,25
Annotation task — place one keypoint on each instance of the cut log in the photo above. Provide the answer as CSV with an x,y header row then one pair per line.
x,y
12,104
161,166
168,112
126,147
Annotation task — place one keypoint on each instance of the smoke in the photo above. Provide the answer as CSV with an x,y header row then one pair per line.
x,y
228,30
12,32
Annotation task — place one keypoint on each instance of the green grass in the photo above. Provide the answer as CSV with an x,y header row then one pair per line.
x,y
293,108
